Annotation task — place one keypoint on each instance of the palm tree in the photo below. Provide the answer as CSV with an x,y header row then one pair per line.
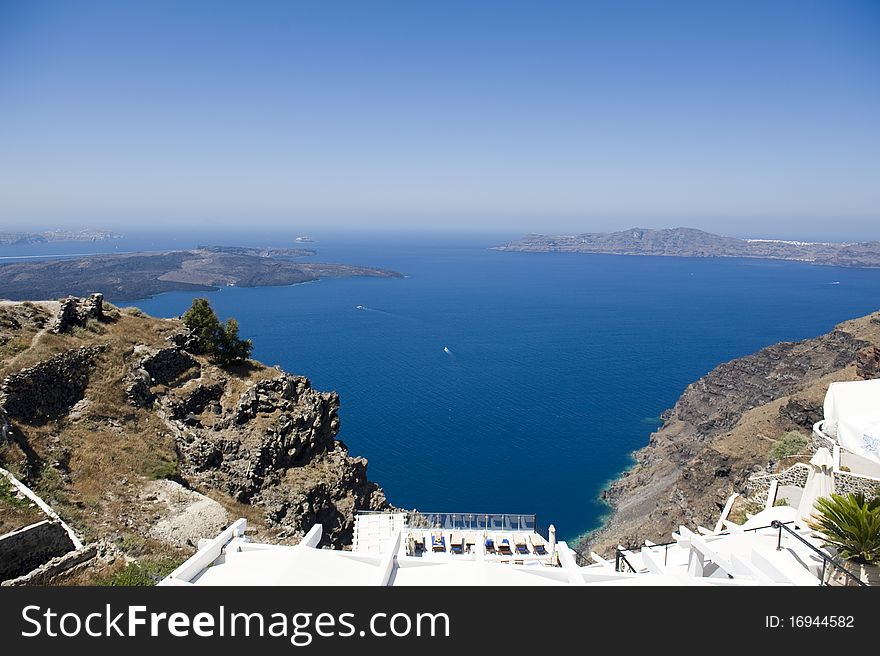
x,y
850,524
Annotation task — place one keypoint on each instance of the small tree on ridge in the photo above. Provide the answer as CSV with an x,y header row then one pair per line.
x,y
218,340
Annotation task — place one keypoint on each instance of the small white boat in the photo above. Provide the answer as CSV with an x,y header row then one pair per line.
x,y
360,307
446,350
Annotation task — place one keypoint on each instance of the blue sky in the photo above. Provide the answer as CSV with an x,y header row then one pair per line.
x,y
751,118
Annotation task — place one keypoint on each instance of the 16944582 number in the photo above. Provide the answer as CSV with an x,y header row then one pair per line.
x,y
809,621
823,621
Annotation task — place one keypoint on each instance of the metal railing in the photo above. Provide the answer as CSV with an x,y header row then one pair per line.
x,y
826,559
474,521
622,564
469,521
620,557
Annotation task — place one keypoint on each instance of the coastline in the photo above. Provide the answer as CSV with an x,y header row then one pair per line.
x,y
721,430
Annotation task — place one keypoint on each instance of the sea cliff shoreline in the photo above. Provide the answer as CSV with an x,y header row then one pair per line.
x,y
722,429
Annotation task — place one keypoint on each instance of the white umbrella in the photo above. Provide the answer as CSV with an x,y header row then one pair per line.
x,y
820,483
552,542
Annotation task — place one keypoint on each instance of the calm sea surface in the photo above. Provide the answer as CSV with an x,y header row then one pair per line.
x,y
507,382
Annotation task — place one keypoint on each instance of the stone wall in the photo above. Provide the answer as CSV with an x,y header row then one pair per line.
x,y
796,475
27,548
75,312
48,572
848,483
49,389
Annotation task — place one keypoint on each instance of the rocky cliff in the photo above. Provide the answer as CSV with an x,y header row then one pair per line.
x,y
136,441
723,428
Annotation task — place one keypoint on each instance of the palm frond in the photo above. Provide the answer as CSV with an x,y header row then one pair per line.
x,y
850,524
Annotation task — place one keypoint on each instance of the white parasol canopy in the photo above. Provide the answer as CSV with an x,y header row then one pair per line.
x,y
820,483
852,415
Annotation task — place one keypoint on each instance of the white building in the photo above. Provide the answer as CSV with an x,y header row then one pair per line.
x,y
774,547
851,426
391,552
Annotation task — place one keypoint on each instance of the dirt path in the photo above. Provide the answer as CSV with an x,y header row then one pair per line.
x,y
52,307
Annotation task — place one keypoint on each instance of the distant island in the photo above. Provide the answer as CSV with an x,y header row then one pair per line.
x,y
690,242
12,238
139,275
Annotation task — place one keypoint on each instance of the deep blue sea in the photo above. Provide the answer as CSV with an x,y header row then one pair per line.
x,y
508,382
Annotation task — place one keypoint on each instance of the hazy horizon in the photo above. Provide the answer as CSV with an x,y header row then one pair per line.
x,y
275,234
746,119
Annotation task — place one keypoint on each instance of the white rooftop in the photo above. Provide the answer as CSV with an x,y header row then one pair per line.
x,y
756,554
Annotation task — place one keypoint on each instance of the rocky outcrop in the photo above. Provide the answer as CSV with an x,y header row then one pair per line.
x,y
275,445
76,312
721,430
145,445
165,366
868,363
335,487
157,367
801,412
197,400
49,389
137,389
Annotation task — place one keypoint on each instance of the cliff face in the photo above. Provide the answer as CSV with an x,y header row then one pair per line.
x,y
108,416
723,428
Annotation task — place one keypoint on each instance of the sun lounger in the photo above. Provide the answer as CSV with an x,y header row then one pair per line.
x,y
519,542
490,545
538,544
503,546
470,540
418,540
438,541
456,543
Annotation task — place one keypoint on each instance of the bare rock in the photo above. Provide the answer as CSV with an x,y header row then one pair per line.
x,y
801,412
186,515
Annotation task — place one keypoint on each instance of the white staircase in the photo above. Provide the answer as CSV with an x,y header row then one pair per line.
x,y
374,532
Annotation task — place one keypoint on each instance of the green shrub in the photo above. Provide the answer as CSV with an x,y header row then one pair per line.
x,y
9,497
164,468
144,573
218,340
790,444
850,524
94,326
